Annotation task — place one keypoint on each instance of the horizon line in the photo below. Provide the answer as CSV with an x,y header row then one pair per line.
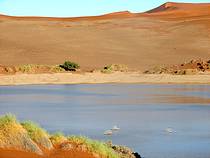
x,y
97,15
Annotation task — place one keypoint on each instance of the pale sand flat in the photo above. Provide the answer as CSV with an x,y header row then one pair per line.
x,y
92,78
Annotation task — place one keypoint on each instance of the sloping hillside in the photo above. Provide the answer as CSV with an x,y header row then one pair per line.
x,y
138,40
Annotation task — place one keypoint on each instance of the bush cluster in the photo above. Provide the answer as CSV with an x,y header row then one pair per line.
x,y
70,66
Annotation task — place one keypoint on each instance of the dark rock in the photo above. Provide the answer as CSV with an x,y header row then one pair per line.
x,y
193,67
137,155
123,151
198,64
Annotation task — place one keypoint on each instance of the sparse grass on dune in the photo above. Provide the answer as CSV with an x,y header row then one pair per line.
x,y
7,119
37,134
94,146
34,130
114,67
15,133
25,68
107,69
34,68
57,138
57,68
8,126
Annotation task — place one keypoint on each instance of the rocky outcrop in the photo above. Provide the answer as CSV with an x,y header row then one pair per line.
x,y
137,155
189,68
7,69
123,151
187,72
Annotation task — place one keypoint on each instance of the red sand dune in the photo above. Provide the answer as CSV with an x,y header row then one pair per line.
x,y
115,15
167,9
170,34
181,10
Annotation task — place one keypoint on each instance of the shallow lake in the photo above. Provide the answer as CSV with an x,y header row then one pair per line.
x,y
143,113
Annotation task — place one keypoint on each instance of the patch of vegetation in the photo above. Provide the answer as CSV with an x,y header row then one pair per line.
x,y
107,69
14,136
7,119
158,70
33,68
9,126
58,138
13,133
114,67
34,130
94,146
27,68
70,66
57,68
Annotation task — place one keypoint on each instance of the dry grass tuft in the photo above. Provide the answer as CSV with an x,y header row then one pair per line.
x,y
94,146
58,138
33,68
115,68
37,134
22,136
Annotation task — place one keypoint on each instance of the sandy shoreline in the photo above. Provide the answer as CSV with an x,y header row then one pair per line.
x,y
93,78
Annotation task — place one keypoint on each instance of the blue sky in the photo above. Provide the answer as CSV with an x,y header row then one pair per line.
x,y
72,8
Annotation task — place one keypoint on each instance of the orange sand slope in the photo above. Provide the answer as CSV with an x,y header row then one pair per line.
x,y
200,8
123,14
169,8
53,154
182,9
140,40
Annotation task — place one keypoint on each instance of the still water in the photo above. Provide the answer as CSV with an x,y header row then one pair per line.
x,y
143,113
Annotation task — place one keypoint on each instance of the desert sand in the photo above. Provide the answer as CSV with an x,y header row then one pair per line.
x,y
171,10
54,154
171,34
92,78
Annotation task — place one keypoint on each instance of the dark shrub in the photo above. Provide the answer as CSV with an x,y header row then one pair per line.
x,y
70,66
